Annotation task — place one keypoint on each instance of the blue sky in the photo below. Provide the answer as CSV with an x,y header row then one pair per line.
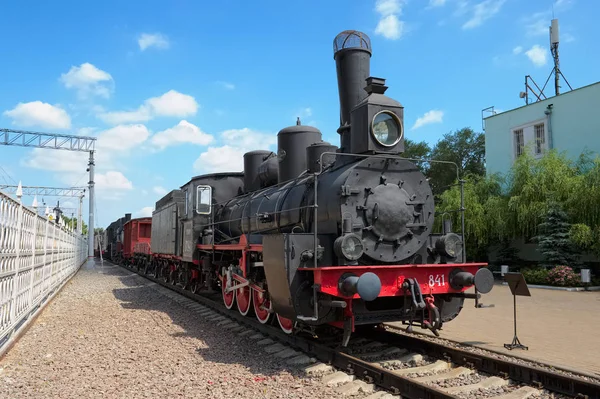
x,y
180,88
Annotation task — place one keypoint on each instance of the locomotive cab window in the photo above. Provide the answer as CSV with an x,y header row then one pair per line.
x,y
203,200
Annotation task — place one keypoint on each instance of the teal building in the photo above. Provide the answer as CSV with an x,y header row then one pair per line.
x,y
568,122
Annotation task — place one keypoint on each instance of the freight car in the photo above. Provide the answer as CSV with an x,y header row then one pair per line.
x,y
136,242
317,235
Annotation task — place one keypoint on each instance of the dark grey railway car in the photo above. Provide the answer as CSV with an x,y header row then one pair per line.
x,y
166,236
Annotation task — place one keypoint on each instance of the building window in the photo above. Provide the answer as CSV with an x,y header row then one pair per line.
x,y
540,138
519,142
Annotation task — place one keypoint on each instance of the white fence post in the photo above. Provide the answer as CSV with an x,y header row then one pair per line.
x,y
33,261
17,247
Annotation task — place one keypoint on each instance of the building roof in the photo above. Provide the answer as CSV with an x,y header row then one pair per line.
x,y
543,101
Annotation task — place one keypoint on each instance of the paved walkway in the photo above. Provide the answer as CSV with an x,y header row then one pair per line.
x,y
113,334
559,327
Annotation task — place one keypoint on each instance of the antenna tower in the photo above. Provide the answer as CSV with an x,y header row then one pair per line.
x,y
536,91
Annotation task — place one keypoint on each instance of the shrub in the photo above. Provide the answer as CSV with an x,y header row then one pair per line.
x,y
563,276
535,276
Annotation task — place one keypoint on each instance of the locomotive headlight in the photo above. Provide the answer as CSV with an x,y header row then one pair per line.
x,y
386,128
449,245
349,246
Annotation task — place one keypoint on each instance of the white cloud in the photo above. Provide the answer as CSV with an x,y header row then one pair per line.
x,y
388,7
58,161
172,103
433,116
538,24
112,144
122,137
37,113
112,180
142,114
88,80
145,212
229,156
482,12
517,50
537,55
158,40
226,85
389,25
183,132
221,159
436,3
159,190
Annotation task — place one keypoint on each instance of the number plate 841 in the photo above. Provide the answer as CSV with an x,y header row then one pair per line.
x,y
436,279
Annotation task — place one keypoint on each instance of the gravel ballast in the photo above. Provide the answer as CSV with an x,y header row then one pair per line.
x,y
113,334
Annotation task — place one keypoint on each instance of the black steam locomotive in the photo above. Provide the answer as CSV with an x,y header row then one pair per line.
x,y
319,235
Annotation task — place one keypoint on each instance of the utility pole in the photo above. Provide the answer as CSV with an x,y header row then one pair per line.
x,y
91,222
79,218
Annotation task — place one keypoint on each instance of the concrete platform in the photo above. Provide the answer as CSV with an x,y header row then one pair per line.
x,y
559,327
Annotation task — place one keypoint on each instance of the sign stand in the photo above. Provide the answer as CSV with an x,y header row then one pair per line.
x,y
518,286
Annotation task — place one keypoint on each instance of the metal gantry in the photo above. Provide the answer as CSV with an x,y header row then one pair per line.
x,y
45,191
23,138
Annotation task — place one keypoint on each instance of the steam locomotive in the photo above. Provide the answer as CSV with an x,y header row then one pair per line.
x,y
318,235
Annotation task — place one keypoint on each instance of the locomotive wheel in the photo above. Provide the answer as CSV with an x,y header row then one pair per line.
x,y
262,306
228,297
286,325
156,269
165,273
243,298
194,286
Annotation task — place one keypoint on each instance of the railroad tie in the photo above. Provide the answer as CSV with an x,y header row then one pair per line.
x,y
521,393
491,382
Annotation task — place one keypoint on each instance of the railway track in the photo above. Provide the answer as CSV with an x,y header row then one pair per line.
x,y
379,363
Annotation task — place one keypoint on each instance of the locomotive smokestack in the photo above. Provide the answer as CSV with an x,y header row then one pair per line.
x,y
352,54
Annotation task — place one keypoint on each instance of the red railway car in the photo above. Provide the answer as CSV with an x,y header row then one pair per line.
x,y
136,241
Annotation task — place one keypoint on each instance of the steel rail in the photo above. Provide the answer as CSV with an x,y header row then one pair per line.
x,y
530,375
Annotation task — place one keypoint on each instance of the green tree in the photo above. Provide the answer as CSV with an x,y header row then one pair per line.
x,y
73,222
466,149
420,150
485,212
554,239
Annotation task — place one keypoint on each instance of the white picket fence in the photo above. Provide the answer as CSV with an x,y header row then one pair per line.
x,y
36,257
